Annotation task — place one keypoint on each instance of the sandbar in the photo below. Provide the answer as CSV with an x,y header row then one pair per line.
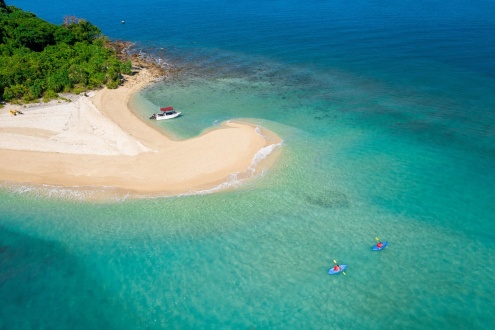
x,y
96,141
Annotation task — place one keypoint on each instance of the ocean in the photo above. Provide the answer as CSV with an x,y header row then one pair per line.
x,y
387,115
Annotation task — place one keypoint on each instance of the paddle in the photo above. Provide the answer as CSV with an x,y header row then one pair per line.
x,y
339,266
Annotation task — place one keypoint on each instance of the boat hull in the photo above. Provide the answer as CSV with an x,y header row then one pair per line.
x,y
376,248
331,271
159,116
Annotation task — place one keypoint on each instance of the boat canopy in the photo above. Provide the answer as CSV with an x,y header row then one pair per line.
x,y
167,109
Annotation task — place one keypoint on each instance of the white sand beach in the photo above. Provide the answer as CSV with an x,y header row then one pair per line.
x,y
96,141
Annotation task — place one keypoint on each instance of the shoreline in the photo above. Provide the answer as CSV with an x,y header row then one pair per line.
x,y
96,141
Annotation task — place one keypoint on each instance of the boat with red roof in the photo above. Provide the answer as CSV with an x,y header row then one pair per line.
x,y
166,113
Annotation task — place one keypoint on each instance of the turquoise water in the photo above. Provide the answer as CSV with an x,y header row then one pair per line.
x,y
386,112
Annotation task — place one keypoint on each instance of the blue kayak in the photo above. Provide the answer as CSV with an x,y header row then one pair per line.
x,y
331,271
376,248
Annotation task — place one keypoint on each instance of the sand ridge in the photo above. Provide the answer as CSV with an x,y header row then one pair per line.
x,y
95,141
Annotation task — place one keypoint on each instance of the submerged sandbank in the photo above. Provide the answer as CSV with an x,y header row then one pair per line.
x,y
96,141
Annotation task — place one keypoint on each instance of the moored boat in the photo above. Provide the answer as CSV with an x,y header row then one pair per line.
x,y
166,113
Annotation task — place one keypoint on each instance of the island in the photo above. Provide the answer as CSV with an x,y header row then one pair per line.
x,y
91,139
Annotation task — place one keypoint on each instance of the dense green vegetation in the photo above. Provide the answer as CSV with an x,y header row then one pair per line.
x,y
39,59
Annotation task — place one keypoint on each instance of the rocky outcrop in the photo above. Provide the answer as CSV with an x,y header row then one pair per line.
x,y
124,53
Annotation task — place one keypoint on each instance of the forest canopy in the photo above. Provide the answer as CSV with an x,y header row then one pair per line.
x,y
39,59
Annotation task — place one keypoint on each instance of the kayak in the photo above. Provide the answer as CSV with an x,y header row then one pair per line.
x,y
376,248
341,269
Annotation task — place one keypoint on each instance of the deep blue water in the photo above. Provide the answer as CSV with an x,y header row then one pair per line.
x,y
387,114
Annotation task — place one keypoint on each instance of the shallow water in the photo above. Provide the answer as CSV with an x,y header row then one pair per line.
x,y
386,113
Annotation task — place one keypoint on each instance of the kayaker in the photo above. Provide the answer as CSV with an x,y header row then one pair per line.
x,y
379,245
336,268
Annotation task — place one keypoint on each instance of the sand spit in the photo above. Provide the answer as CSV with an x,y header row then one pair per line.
x,y
96,141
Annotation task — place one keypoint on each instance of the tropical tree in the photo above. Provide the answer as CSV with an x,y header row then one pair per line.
x,y
40,59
